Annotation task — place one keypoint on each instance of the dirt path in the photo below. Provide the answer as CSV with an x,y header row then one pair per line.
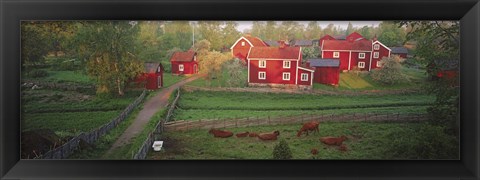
x,y
150,107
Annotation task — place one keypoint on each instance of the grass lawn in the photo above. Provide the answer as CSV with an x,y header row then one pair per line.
x,y
365,141
169,79
69,76
219,82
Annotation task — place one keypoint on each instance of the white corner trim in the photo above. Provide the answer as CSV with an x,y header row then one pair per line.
x,y
349,60
251,45
248,70
381,44
306,69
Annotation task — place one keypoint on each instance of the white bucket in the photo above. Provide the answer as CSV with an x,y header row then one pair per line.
x,y
157,145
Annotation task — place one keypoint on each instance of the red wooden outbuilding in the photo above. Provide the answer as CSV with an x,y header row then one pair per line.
x,y
152,77
242,46
327,71
184,62
277,66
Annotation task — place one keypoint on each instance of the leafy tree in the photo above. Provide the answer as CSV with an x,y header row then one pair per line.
x,y
271,31
34,43
148,41
390,72
390,34
313,30
211,31
309,52
234,69
349,29
230,33
211,65
111,53
282,150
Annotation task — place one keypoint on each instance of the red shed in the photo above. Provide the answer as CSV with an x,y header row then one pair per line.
x,y
241,47
277,66
327,71
152,76
184,62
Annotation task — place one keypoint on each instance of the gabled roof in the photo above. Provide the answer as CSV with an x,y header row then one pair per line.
x,y
151,67
324,62
290,53
399,50
183,56
303,43
253,41
362,45
271,43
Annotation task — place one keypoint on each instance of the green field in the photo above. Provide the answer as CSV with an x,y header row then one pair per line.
x,y
169,79
209,105
365,141
69,76
218,82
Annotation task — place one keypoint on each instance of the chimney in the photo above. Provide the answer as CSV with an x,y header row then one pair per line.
x,y
375,37
282,44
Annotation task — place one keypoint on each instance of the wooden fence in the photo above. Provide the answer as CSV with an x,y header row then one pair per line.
x,y
185,125
159,128
68,148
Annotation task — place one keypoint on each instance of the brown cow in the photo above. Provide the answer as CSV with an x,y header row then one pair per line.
x,y
220,133
244,134
333,140
309,126
252,134
268,136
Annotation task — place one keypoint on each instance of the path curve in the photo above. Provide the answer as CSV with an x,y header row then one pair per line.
x,y
150,107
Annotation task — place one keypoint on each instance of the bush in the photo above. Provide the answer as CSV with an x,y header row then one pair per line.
x,y
38,73
282,151
390,72
426,142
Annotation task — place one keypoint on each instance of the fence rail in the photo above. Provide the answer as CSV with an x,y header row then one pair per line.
x,y
68,148
159,128
185,125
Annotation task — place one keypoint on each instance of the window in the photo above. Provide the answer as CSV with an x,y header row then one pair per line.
x,y
194,58
286,64
376,47
262,75
375,54
286,76
159,69
262,63
379,63
361,55
361,64
243,43
180,67
304,77
336,54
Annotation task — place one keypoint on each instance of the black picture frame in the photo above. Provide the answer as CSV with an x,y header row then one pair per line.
x,y
12,12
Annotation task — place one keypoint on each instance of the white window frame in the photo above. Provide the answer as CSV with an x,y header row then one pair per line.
x,y
376,46
361,57
304,77
264,63
336,54
362,64
379,64
260,75
376,54
286,63
180,67
243,43
159,69
283,76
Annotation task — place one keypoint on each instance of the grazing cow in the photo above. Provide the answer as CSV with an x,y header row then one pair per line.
x,y
314,151
333,140
220,133
343,148
268,136
244,134
309,126
252,134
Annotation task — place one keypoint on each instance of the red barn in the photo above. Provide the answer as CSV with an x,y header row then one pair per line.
x,y
327,71
400,51
354,52
326,37
278,67
241,47
152,76
184,63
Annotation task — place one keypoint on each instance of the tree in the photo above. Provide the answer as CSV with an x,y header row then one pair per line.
x,y
234,69
313,30
282,150
390,34
211,65
34,43
350,29
230,33
309,52
390,72
110,46
271,30
212,32
148,41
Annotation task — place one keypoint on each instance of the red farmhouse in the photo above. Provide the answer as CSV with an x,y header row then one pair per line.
x,y
354,51
327,71
184,62
278,67
152,76
241,47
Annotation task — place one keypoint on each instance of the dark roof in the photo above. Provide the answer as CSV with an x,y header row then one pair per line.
x,y
151,67
340,37
303,43
324,62
399,50
271,43
183,56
